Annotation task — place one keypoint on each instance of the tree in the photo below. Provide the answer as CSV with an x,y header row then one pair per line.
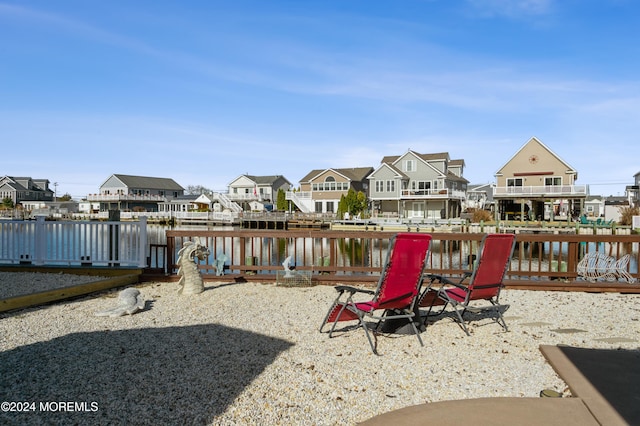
x,y
197,190
281,200
7,203
65,197
352,203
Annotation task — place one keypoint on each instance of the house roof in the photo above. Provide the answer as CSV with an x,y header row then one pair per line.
x,y
456,178
479,187
426,157
356,174
15,183
536,140
266,180
148,182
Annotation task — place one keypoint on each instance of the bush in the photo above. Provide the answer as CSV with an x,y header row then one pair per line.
x,y
626,215
480,215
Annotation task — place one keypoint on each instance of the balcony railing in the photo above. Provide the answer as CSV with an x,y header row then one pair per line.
x,y
541,191
126,197
444,193
245,197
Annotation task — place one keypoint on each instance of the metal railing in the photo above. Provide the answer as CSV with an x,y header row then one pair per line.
x,y
359,255
73,243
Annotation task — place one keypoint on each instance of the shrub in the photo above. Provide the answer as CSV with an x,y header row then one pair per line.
x,y
480,215
627,213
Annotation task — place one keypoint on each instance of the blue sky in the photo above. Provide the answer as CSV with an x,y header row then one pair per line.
x,y
204,91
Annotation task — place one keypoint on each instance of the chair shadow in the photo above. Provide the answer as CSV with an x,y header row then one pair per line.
x,y
476,318
171,375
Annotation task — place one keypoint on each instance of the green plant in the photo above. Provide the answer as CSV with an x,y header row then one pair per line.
x,y
7,203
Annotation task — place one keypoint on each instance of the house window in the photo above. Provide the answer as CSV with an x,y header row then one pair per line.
x,y
514,182
379,186
329,184
318,206
329,206
423,187
553,181
409,165
391,186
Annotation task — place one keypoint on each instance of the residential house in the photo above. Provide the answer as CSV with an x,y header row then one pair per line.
x,y
418,186
257,192
594,206
536,183
479,196
612,208
23,189
321,190
135,193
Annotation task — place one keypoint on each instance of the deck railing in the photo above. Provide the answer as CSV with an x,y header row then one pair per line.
x,y
359,255
548,190
73,243
330,256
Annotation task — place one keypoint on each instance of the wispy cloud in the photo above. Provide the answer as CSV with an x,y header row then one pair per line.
x,y
512,8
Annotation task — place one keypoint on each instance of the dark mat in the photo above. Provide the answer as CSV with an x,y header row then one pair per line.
x,y
615,373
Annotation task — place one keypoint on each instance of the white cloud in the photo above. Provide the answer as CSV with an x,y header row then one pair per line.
x,y
512,8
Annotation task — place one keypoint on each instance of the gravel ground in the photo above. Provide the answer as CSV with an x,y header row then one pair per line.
x,y
251,354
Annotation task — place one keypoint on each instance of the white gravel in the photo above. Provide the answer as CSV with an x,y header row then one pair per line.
x,y
251,354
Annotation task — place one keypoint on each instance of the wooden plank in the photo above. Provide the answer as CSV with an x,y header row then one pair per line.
x,y
28,300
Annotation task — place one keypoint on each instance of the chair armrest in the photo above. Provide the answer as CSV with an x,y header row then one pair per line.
x,y
440,279
352,290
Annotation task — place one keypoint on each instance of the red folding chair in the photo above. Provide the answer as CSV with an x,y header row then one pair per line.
x,y
484,283
397,291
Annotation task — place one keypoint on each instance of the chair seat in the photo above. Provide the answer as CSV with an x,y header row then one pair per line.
x,y
456,294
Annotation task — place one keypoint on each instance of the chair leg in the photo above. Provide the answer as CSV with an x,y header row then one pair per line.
x,y
461,321
426,318
367,333
333,326
499,318
415,330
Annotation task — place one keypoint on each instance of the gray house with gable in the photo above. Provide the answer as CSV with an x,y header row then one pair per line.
x,y
135,193
418,186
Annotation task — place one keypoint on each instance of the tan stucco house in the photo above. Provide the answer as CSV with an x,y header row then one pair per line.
x,y
535,183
